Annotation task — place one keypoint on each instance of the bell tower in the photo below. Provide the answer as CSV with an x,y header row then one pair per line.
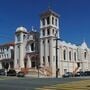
x,y
49,31
20,36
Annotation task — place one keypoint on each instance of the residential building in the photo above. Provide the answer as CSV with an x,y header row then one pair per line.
x,y
7,56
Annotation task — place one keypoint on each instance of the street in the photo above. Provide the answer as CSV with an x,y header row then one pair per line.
x,y
15,83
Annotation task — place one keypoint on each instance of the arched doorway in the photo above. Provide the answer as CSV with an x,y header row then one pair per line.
x,y
35,63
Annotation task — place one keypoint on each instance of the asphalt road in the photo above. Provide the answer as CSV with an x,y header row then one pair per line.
x,y
31,84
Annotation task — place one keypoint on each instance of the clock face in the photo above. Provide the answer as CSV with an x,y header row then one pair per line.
x,y
18,37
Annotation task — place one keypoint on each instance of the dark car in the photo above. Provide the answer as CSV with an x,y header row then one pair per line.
x,y
11,72
68,74
20,74
87,73
80,73
2,71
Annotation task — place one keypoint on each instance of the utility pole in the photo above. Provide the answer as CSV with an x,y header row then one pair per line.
x,y
57,69
56,59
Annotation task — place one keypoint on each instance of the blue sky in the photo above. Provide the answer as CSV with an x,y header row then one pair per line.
x,y
74,18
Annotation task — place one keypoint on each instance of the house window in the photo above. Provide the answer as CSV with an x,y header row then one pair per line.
x,y
64,54
69,55
48,20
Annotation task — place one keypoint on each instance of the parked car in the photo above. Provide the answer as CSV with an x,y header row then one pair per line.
x,y
2,71
68,74
20,74
11,72
80,73
87,73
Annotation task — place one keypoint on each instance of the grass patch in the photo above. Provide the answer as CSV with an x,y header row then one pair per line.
x,y
77,85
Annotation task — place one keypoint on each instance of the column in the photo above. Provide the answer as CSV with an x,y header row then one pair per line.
x,y
52,61
46,56
28,62
41,53
15,57
21,56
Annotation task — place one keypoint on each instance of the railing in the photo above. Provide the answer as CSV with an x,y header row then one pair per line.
x,y
46,70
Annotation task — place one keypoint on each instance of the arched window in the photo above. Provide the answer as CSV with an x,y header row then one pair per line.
x,y
64,54
48,20
56,22
48,31
75,56
32,47
70,55
85,54
53,20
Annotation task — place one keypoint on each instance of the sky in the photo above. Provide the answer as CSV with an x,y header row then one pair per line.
x,y
74,18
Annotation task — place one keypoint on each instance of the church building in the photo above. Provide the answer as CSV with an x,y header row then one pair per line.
x,y
44,50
